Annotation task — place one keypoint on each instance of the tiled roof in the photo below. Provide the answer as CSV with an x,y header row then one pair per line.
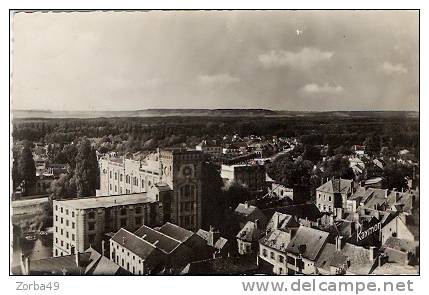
x,y
277,239
326,256
313,239
250,233
309,211
400,244
134,243
342,186
176,232
284,221
161,241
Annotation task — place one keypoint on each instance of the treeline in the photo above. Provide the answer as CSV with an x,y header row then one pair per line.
x,y
140,133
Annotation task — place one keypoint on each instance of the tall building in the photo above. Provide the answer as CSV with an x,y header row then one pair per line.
x,y
83,223
173,173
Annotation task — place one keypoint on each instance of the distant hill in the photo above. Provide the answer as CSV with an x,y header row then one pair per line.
x,y
22,114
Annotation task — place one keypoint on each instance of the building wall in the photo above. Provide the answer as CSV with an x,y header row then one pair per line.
x,y
131,261
274,257
181,170
87,227
325,201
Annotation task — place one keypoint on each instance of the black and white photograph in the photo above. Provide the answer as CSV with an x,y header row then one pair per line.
x,y
214,143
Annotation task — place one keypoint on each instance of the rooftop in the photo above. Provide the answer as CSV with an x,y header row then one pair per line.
x,y
134,243
313,239
107,201
158,239
334,186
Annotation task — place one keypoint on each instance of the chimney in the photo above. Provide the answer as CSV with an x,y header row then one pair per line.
x,y
276,220
246,205
371,253
123,240
77,259
102,247
213,236
338,243
257,225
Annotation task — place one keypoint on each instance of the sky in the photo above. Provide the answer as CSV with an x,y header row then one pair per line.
x,y
280,60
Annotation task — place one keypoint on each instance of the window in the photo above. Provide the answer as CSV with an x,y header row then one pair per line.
x,y
61,231
56,217
110,174
329,198
116,175
123,222
120,177
142,182
73,237
281,258
56,229
123,211
264,252
91,238
61,243
56,207
116,188
67,211
56,252
272,255
138,220
73,225
91,225
91,215
61,209
72,213
67,222
67,234
62,220
280,270
138,209
56,240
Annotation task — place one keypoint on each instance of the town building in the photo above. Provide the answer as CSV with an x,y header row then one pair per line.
x,y
248,237
89,262
149,251
211,148
251,177
174,173
332,195
84,222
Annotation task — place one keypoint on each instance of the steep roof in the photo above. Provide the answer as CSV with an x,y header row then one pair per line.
x,y
342,186
134,243
313,239
277,239
326,256
159,240
250,232
176,232
304,211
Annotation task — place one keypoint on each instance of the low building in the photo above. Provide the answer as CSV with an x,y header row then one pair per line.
x,y
332,196
246,212
220,246
304,249
248,237
211,148
251,177
272,247
280,190
90,262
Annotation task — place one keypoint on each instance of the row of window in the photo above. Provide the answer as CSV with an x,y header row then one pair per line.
x,y
73,225
329,198
62,233
324,207
280,258
128,179
62,210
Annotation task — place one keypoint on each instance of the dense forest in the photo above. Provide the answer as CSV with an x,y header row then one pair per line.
x,y
131,134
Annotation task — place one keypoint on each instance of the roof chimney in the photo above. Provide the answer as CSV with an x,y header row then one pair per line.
x,y
103,247
123,240
276,220
257,225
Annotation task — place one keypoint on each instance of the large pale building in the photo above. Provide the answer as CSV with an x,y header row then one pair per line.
x,y
175,174
83,223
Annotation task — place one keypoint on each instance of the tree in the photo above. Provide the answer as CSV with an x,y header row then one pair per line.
x,y
338,167
394,176
27,169
86,171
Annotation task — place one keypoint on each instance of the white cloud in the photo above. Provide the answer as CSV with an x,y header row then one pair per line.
x,y
326,88
217,80
303,59
391,69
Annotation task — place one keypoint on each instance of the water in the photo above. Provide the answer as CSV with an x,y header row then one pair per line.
x,y
37,249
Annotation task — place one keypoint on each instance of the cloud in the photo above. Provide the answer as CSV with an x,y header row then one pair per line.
x,y
392,69
218,80
326,88
303,59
